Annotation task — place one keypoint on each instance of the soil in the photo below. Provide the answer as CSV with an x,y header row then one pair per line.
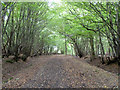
x,y
58,71
113,67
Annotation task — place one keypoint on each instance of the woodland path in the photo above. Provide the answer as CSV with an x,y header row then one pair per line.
x,y
59,71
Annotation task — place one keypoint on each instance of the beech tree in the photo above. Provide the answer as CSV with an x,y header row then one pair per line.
x,y
76,28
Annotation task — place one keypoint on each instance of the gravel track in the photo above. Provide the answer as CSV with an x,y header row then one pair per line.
x,y
59,71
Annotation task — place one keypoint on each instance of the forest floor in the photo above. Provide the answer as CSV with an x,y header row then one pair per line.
x,y
57,71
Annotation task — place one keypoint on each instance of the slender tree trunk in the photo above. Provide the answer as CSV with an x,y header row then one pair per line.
x,y
51,48
92,47
118,30
0,31
72,50
78,50
11,34
65,46
102,49
75,49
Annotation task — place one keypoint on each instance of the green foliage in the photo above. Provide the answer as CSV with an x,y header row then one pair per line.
x,y
41,27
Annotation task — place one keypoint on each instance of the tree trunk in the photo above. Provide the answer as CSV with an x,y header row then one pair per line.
x,y
118,30
92,47
78,50
102,49
72,50
65,46
0,31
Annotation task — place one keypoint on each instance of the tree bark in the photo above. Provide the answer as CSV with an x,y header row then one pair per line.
x,y
65,45
118,30
92,47
102,49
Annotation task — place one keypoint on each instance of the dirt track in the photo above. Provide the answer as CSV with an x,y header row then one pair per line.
x,y
61,71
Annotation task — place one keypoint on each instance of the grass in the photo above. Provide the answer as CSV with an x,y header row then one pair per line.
x,y
8,80
5,81
30,64
10,61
